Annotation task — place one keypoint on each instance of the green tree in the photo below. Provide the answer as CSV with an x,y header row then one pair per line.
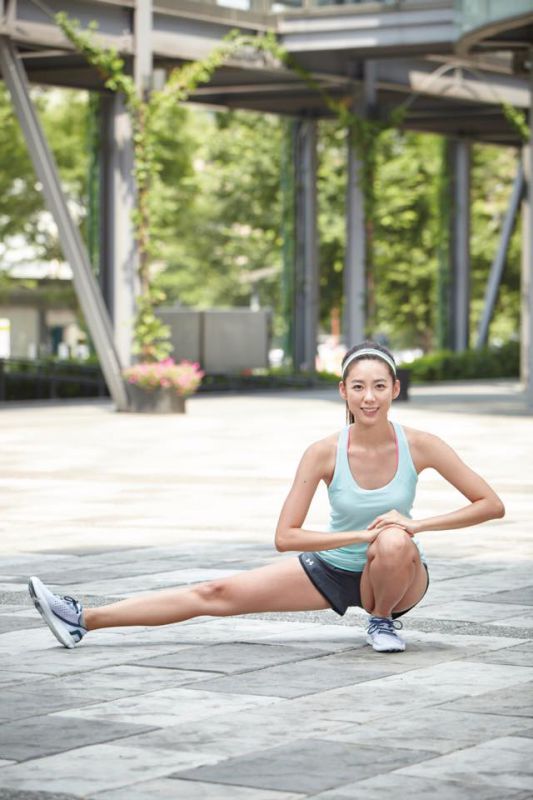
x,y
493,172
231,231
406,236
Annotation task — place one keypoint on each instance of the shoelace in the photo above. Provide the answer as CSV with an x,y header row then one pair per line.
x,y
385,625
75,605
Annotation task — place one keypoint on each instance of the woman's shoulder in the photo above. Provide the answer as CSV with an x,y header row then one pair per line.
x,y
422,445
322,456
324,447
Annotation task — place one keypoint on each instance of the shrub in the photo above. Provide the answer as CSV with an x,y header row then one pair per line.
x,y
445,365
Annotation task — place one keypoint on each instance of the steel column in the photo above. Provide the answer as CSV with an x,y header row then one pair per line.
x,y
118,265
460,245
355,263
527,261
496,270
306,256
71,242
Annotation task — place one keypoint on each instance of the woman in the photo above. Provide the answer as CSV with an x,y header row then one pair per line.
x,y
369,558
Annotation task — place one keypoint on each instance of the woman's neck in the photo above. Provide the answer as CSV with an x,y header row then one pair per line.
x,y
371,436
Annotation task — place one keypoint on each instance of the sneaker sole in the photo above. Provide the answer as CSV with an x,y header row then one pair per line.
x,y
385,649
34,586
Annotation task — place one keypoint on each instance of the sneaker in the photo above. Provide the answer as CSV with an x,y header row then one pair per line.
x,y
382,635
63,615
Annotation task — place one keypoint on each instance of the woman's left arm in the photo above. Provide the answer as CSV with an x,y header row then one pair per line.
x,y
484,502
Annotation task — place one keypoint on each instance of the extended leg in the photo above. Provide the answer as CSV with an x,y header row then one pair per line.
x,y
282,586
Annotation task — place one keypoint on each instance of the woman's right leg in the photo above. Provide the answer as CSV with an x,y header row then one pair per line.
x,y
282,586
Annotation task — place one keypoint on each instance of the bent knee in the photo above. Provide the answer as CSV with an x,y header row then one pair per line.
x,y
393,542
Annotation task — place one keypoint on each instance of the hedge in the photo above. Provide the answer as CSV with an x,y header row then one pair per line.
x,y
445,365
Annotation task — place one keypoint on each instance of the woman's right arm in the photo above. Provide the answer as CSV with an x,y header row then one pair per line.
x,y
289,532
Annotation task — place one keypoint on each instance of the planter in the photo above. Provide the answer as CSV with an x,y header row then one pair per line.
x,y
155,401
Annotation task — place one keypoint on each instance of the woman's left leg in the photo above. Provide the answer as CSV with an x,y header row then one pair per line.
x,y
394,578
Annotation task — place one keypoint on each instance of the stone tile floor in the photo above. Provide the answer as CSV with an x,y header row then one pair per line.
x,y
258,707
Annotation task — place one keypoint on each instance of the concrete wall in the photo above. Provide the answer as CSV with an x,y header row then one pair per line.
x,y
222,341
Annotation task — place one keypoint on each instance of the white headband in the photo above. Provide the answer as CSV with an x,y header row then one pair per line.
x,y
369,351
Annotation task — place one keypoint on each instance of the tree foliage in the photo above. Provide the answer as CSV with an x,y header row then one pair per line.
x,y
217,211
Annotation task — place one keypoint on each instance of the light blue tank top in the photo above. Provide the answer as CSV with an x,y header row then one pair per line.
x,y
354,508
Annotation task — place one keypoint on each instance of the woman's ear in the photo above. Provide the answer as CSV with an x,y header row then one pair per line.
x,y
342,390
396,389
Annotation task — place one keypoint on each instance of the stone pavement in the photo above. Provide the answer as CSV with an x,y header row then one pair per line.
x,y
259,707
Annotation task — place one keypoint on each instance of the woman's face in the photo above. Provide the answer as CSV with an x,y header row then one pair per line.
x,y
369,390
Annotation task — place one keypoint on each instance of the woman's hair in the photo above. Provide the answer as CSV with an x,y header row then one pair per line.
x,y
350,358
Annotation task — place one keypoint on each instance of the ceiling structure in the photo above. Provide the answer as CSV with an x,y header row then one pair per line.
x,y
452,79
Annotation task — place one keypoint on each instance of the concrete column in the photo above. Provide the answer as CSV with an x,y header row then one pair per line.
x,y
306,255
526,338
460,245
118,268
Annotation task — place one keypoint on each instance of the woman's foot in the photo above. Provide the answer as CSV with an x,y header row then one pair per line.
x,y
63,615
382,635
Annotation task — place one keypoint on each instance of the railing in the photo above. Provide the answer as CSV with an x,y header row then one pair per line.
x,y
267,7
24,379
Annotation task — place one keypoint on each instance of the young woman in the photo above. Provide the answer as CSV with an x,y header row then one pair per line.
x,y
369,557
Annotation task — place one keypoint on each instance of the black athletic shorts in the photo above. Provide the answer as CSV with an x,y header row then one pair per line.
x,y
340,587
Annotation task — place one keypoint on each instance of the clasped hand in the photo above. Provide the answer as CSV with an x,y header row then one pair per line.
x,y
393,518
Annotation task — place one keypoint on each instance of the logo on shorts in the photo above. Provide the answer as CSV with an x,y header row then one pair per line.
x,y
309,561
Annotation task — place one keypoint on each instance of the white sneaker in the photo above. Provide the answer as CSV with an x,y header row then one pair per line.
x,y
382,635
63,615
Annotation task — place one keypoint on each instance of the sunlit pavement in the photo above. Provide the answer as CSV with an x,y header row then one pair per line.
x,y
103,505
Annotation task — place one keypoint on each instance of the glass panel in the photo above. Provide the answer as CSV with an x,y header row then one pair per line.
x,y
473,14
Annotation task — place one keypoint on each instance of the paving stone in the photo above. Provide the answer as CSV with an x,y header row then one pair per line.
x,y
395,784
513,701
298,679
126,680
168,707
44,736
15,677
12,623
438,730
232,734
520,622
296,767
56,660
522,596
173,789
15,794
506,762
152,581
118,766
517,655
33,699
410,691
231,657
472,611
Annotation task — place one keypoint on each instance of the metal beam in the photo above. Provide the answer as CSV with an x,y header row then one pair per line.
x,y
460,244
496,270
118,262
306,256
527,261
142,35
71,242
